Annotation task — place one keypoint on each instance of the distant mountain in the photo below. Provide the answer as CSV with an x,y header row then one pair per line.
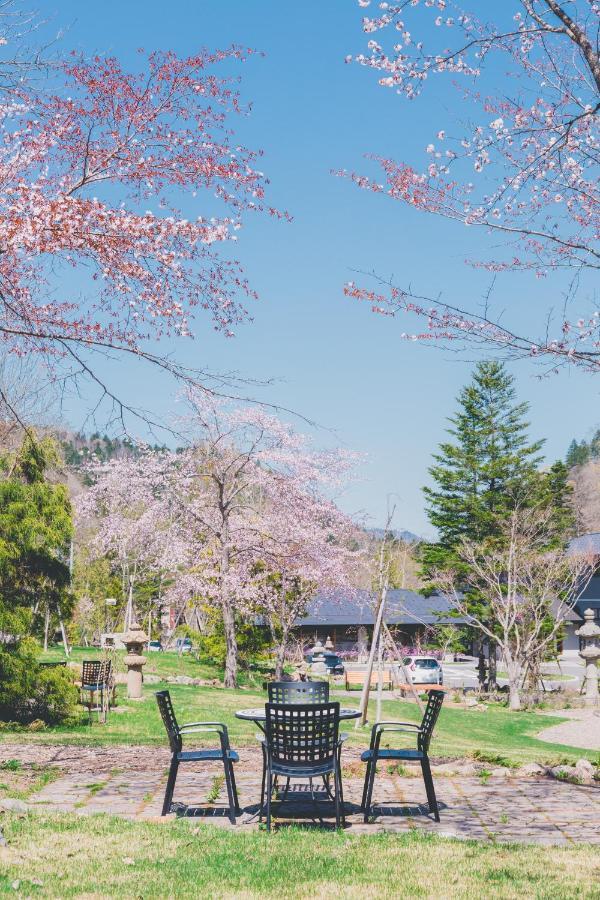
x,y
400,534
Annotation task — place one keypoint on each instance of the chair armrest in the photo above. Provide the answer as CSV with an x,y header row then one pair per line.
x,y
343,736
405,724
194,724
195,729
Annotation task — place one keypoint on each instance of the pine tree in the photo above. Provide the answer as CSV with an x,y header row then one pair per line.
x,y
486,468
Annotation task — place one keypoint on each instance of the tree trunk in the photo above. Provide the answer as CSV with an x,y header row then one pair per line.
x,y
231,661
281,655
492,667
514,683
46,628
364,697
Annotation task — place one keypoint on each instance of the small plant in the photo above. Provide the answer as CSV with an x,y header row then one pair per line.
x,y
95,786
562,775
397,769
12,765
495,759
484,775
215,790
504,819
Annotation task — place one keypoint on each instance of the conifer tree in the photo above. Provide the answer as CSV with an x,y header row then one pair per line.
x,y
487,469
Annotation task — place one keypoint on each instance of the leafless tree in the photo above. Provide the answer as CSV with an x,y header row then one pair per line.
x,y
529,588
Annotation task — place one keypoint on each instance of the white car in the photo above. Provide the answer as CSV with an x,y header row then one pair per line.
x,y
424,669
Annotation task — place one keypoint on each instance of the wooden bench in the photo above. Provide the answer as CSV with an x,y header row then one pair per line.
x,y
358,678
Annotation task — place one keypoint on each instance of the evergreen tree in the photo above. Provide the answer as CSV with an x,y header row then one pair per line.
x,y
486,468
579,454
35,531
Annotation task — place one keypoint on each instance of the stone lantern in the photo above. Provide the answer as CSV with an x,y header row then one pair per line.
x,y
328,644
589,633
318,659
134,641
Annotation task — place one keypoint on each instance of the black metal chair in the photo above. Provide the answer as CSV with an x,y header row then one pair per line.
x,y
293,692
423,733
97,681
298,692
225,754
302,741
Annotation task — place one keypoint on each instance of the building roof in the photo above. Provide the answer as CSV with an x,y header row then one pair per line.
x,y
403,607
586,543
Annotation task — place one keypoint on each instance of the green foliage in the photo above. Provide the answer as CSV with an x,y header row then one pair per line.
x,y
29,692
579,454
253,640
35,532
484,470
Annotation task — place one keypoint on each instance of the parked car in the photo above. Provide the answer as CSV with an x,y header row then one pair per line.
x,y
154,646
424,669
333,663
183,645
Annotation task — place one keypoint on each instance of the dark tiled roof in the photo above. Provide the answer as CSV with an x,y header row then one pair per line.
x,y
586,543
402,608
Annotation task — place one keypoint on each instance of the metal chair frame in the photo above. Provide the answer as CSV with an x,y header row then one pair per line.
x,y
176,732
292,692
97,678
302,741
423,734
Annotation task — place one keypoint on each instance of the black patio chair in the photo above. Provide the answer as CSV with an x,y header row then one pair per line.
x,y
302,741
97,686
293,692
225,754
423,733
298,692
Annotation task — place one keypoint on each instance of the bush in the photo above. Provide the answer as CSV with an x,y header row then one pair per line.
x,y
30,692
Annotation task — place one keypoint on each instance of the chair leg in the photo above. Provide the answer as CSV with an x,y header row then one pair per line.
x,y
341,790
238,810
369,797
365,786
170,785
230,794
262,787
336,783
268,797
429,788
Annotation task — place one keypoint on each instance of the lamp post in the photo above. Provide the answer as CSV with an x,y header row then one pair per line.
x,y
109,601
589,633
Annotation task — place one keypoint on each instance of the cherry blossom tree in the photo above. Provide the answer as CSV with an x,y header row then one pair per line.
x,y
124,516
253,496
527,170
102,177
309,546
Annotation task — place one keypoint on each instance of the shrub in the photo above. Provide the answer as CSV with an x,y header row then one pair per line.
x,y
29,691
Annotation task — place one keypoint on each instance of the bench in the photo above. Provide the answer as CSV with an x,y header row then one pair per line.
x,y
358,678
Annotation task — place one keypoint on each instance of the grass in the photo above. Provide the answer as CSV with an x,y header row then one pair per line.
x,y
100,856
19,782
493,734
165,664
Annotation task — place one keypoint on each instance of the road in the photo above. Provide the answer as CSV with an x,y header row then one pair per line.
x,y
464,673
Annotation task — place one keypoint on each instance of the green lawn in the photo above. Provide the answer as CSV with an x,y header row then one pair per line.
x,y
100,856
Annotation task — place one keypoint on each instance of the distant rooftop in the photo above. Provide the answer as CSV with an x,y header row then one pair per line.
x,y
586,543
403,607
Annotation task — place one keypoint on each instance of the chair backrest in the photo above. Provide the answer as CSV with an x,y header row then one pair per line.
x,y
302,734
163,698
91,673
298,692
430,716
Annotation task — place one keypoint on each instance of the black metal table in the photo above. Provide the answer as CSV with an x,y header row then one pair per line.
x,y
258,714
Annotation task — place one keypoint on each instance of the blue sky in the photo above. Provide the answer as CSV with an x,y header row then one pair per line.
x,y
333,360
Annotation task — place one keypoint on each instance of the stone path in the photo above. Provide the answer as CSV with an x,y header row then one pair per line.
x,y
537,810
582,729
